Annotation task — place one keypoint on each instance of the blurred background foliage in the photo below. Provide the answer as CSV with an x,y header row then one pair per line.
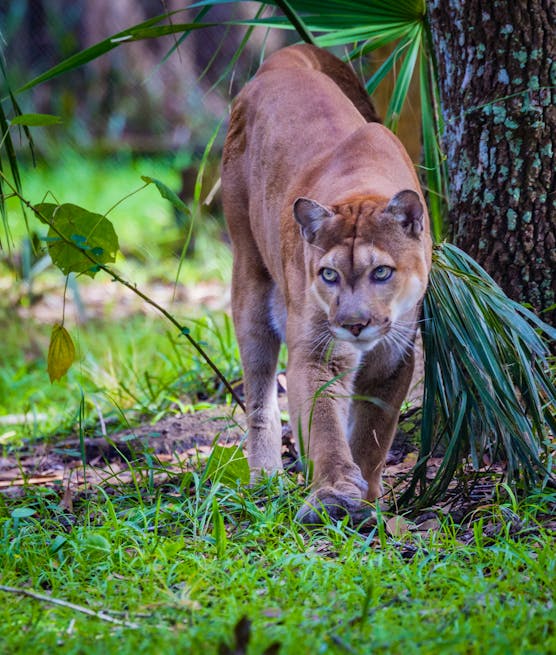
x,y
143,97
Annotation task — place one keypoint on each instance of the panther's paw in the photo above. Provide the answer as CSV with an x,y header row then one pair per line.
x,y
335,502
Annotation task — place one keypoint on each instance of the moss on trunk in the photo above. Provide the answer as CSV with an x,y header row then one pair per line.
x,y
497,71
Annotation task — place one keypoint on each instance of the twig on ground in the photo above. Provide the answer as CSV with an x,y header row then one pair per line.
x,y
64,603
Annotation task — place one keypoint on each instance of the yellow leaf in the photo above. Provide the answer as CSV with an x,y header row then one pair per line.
x,y
61,352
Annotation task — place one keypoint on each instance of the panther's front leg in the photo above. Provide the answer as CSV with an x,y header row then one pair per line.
x,y
380,388
319,391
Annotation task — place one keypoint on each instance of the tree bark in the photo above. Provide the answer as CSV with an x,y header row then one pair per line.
x,y
496,63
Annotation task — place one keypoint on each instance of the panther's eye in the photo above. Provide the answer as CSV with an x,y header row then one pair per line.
x,y
382,273
329,275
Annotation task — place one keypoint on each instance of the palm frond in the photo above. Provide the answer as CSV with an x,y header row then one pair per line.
x,y
488,386
435,174
149,29
404,78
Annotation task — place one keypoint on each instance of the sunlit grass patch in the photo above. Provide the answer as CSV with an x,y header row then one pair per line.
x,y
128,363
135,367
150,237
185,562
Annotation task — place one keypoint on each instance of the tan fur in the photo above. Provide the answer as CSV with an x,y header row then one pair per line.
x,y
311,189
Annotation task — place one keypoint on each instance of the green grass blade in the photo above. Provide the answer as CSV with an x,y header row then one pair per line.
x,y
6,145
182,38
196,210
237,54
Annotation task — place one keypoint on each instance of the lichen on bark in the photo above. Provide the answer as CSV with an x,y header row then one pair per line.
x,y
496,64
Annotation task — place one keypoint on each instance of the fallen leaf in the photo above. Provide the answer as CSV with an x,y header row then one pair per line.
x,y
429,524
397,526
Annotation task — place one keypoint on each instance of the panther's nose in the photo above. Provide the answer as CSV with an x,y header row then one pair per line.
x,y
355,328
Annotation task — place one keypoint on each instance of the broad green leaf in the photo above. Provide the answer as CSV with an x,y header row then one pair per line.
x,y
227,465
96,542
95,547
61,353
78,240
57,543
35,120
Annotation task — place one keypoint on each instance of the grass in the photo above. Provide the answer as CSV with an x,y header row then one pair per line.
x,y
186,562
139,366
150,238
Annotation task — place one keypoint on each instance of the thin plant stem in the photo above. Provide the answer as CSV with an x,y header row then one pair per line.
x,y
64,603
132,287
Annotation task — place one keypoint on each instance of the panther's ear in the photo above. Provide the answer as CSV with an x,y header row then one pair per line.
x,y
310,214
406,207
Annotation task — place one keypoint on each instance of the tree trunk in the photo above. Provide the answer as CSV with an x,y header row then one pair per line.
x,y
496,62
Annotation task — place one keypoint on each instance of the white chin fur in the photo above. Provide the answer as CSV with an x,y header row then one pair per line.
x,y
363,343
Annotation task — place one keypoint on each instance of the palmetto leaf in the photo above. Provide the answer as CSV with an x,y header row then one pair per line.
x,y
146,30
488,388
364,26
405,75
435,174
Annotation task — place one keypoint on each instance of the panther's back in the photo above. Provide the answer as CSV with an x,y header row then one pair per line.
x,y
309,56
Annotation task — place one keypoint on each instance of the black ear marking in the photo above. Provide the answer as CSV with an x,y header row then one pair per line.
x,y
406,207
310,214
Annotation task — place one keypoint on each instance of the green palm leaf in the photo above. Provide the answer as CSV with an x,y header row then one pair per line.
x,y
147,30
435,175
488,387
